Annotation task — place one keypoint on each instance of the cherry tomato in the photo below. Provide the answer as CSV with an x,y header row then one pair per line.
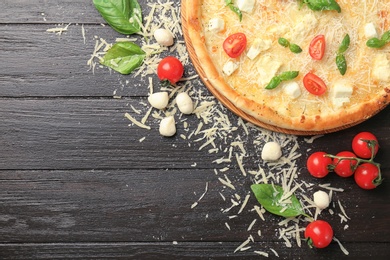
x,y
171,69
363,144
314,84
319,234
367,176
235,44
317,47
345,167
318,164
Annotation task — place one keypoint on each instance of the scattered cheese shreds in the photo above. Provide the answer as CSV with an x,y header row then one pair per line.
x,y
137,123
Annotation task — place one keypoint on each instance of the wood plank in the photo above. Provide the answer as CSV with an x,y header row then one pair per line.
x,y
186,250
143,205
45,64
43,11
94,134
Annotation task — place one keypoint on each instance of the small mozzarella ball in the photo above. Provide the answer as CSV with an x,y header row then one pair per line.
x,y
159,100
184,102
321,199
163,37
167,126
271,151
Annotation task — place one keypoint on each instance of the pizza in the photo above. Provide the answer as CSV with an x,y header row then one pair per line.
x,y
301,67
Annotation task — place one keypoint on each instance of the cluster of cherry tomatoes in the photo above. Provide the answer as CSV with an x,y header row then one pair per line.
x,y
359,163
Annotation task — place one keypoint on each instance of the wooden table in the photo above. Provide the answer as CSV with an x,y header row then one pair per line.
x,y
76,181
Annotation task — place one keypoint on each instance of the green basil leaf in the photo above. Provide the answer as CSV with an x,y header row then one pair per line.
x,y
344,44
124,16
284,42
375,43
269,197
274,82
321,5
235,9
295,48
124,57
284,76
288,75
341,63
386,37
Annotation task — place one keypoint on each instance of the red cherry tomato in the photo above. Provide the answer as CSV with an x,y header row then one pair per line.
x,y
317,47
235,44
319,234
318,164
367,176
314,84
364,144
171,69
345,167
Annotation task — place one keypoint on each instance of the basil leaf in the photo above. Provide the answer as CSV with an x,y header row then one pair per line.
x,y
269,197
321,5
235,9
284,42
288,75
344,44
341,63
124,16
292,46
295,48
274,82
124,57
284,76
375,43
386,37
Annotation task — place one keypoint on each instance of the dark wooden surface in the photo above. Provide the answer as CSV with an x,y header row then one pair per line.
x,y
75,182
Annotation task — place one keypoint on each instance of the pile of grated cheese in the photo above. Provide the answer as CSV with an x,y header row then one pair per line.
x,y
217,133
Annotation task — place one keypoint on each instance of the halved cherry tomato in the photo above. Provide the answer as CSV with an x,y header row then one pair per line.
x,y
317,47
314,84
235,44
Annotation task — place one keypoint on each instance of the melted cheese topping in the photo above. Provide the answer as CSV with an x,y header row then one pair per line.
x,y
271,20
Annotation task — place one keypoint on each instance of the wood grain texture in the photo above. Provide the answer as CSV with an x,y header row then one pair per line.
x,y
76,182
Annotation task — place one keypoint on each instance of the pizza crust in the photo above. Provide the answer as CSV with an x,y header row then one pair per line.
x,y
261,114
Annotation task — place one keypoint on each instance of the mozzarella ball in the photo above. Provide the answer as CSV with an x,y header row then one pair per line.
x,y
184,103
321,199
271,151
163,37
168,126
159,100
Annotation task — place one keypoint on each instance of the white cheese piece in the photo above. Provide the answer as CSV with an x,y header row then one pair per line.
x,y
381,67
341,92
292,89
167,126
303,28
246,5
258,46
321,199
163,37
229,67
370,30
159,100
271,151
184,103
267,68
216,24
